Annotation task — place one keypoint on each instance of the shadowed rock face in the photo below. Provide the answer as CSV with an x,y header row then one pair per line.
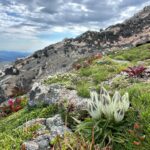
x,y
60,57
11,71
2,95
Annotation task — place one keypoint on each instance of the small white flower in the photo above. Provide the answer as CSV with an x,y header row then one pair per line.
x,y
116,100
107,106
116,97
94,111
114,108
103,91
119,115
94,97
125,101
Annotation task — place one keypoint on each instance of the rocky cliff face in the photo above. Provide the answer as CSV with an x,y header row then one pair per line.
x,y
59,57
132,32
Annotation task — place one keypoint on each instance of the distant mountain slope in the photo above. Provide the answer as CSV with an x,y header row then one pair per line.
x,y
9,56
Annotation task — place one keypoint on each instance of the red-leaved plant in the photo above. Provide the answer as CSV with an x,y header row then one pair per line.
x,y
136,71
87,62
15,105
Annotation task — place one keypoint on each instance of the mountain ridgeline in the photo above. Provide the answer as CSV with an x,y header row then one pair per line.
x,y
59,57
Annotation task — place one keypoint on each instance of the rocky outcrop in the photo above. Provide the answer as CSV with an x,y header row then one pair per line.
x,y
49,129
55,93
132,32
59,57
48,94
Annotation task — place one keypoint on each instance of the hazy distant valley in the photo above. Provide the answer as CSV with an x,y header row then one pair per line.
x,y
6,57
9,56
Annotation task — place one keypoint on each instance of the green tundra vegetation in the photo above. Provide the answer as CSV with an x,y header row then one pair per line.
x,y
132,133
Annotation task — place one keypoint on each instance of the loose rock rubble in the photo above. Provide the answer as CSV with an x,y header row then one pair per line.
x,y
50,129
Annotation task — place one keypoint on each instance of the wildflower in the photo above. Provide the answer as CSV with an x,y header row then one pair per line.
x,y
131,132
98,56
94,105
125,101
94,97
17,108
11,102
103,91
116,100
93,111
135,71
106,106
102,104
136,143
18,100
119,115
136,126
142,137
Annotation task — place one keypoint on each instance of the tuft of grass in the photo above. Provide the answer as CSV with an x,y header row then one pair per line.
x,y
86,72
83,89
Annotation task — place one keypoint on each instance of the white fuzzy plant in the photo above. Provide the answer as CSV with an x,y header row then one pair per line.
x,y
104,105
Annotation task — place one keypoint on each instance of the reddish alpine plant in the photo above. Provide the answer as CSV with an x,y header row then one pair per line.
x,y
136,71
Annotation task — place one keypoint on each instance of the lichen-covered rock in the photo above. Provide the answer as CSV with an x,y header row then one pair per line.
x,y
31,145
43,141
54,121
49,129
42,94
49,94
56,126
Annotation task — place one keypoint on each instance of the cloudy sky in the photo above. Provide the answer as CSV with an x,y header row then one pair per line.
x,y
30,25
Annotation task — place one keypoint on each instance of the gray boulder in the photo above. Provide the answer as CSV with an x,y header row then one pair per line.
x,y
31,145
55,121
42,94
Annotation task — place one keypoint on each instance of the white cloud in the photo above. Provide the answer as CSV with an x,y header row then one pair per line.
x,y
21,21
